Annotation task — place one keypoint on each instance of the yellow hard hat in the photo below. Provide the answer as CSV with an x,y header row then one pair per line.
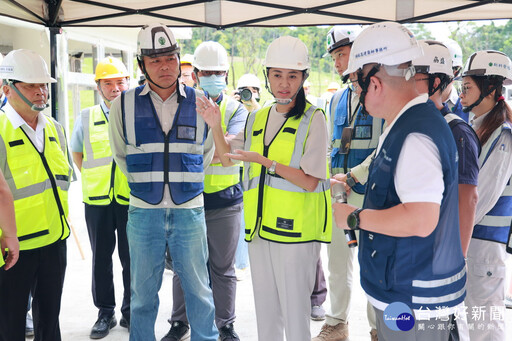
x,y
187,59
110,67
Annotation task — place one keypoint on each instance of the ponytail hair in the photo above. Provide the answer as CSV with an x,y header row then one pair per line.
x,y
499,114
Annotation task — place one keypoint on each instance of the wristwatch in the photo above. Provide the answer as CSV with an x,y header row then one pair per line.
x,y
353,219
272,168
350,180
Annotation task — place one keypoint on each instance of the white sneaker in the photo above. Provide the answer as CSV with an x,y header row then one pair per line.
x,y
317,313
242,274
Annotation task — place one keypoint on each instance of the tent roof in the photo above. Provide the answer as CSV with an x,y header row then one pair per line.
x,y
223,14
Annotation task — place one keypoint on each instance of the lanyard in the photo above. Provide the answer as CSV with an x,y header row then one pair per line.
x,y
351,114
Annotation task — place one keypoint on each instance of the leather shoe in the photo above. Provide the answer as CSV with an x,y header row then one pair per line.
x,y
102,327
124,322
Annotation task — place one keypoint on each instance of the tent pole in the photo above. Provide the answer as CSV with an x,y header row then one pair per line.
x,y
53,69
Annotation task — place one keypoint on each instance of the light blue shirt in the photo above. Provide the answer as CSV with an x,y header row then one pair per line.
x,y
77,137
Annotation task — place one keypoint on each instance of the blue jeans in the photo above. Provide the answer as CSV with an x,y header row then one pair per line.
x,y
184,230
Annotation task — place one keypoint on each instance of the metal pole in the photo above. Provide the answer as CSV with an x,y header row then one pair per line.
x,y
53,69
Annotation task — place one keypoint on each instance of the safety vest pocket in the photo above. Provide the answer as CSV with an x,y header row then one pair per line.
x,y
21,164
139,162
378,259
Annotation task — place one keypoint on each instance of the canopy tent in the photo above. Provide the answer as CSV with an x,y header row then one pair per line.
x,y
222,14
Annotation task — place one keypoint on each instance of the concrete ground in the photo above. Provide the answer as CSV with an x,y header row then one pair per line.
x,y
78,312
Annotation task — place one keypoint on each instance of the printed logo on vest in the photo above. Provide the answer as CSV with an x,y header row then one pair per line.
x,y
285,224
398,316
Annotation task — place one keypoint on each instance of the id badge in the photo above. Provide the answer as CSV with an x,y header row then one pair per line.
x,y
346,139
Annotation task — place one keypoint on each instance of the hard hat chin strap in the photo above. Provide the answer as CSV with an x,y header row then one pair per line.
x,y
364,84
32,106
285,101
143,67
481,98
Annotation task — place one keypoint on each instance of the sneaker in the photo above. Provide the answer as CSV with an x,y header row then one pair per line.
x,y
241,274
227,333
179,331
508,302
338,332
317,313
373,335
29,326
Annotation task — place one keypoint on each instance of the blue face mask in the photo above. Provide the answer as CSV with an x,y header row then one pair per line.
x,y
213,84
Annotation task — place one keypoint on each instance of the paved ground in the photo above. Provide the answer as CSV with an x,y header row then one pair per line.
x,y
78,313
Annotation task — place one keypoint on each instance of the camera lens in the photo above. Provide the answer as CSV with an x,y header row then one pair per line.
x,y
245,95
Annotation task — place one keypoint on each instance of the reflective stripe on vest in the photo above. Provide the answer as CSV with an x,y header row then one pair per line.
x,y
495,225
422,272
216,177
102,181
155,159
279,210
38,182
365,136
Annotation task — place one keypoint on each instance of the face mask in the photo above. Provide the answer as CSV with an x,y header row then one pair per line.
x,y
213,84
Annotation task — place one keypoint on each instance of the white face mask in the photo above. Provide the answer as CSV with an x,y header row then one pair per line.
x,y
213,84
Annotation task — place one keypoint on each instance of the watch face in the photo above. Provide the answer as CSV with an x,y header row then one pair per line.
x,y
352,220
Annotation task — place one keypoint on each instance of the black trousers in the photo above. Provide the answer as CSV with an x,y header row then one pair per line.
x,y
42,272
102,224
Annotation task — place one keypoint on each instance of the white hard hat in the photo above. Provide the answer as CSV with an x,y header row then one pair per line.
x,y
211,56
455,52
287,53
436,58
489,63
341,36
25,66
387,43
248,80
156,40
333,86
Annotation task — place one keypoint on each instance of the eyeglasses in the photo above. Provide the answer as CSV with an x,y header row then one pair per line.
x,y
210,73
464,89
353,82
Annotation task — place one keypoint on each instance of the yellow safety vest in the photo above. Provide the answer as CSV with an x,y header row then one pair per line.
x,y
279,210
38,181
102,181
216,177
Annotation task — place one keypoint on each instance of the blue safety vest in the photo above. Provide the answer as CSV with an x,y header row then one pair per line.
x,y
495,225
365,137
155,159
420,272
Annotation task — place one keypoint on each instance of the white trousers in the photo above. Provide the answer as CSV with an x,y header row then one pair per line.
x,y
283,277
486,287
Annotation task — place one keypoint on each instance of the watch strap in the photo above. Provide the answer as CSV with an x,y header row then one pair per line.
x,y
355,215
350,180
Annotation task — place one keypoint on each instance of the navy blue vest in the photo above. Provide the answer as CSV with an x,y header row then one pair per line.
x,y
363,139
420,272
175,159
457,110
